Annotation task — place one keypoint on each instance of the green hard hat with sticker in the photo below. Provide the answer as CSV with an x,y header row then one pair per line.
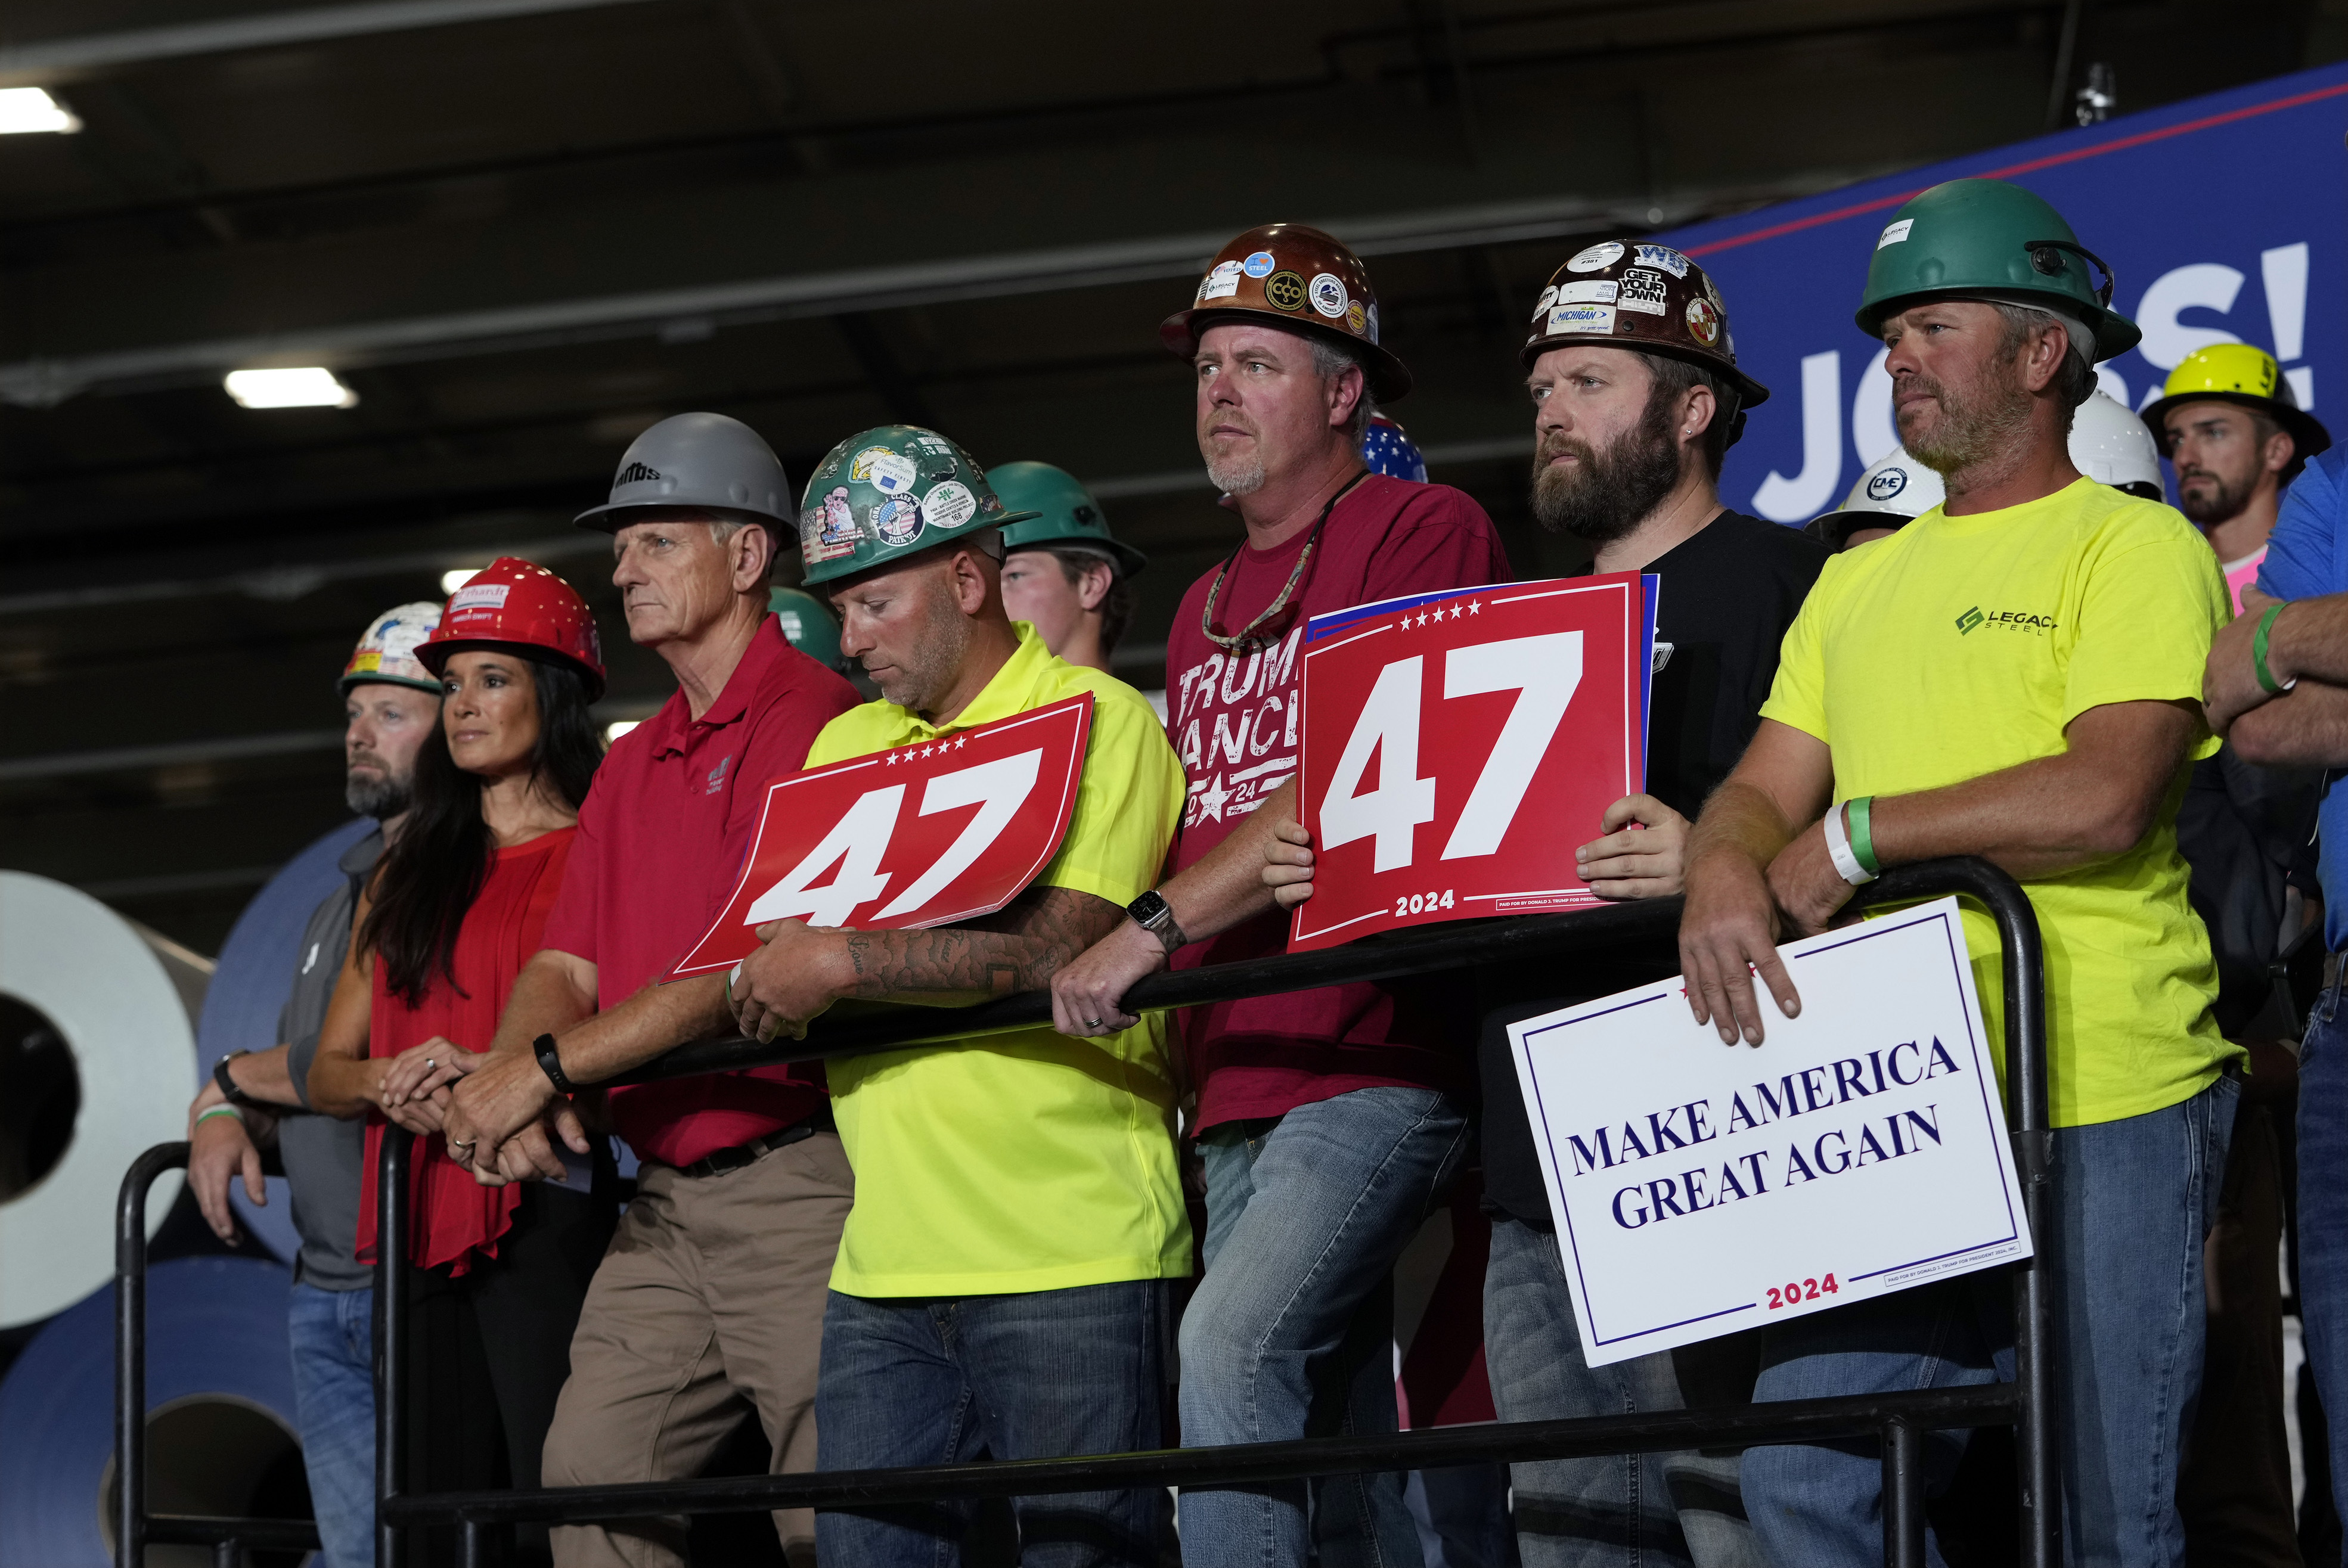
x,y
1066,513
1987,239
808,626
887,493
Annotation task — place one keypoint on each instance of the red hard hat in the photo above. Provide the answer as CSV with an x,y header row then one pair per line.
x,y
510,603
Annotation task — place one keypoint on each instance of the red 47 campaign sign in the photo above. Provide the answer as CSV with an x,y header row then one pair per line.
x,y
920,835
1459,747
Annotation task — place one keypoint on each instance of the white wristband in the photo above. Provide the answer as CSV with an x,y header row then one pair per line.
x,y
1845,861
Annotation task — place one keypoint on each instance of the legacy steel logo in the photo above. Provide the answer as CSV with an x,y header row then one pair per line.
x,y
2005,621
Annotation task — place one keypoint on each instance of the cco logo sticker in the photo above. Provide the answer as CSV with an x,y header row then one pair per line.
x,y
1284,291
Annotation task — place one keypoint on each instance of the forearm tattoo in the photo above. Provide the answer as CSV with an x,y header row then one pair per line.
x,y
1018,948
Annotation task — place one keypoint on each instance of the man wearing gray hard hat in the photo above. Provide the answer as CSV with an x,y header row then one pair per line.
x,y
711,1297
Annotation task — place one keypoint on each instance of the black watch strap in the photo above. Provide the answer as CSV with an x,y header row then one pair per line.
x,y
551,1061
228,1085
1155,916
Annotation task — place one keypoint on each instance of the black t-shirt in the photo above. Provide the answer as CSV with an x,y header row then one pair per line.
x,y
1727,595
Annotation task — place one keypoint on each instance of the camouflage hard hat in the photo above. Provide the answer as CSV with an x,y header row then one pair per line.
x,y
884,494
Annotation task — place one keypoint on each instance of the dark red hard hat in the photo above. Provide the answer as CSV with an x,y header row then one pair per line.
x,y
1298,278
1635,294
510,603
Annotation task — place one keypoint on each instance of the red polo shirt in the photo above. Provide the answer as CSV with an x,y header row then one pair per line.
x,y
661,840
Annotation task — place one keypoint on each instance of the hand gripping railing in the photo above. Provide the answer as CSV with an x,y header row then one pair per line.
x,y
1630,934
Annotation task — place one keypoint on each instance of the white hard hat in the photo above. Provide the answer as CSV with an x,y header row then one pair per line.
x,y
1894,488
2112,446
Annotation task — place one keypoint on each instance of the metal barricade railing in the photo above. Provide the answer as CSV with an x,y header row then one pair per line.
x,y
1624,932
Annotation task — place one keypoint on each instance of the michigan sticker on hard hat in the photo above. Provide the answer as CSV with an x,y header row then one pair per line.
x,y
897,520
1644,290
1258,265
1221,283
1702,322
1605,253
949,505
1329,294
827,530
884,470
1894,232
1662,256
1581,319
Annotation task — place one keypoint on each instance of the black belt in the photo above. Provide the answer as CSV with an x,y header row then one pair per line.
x,y
719,1162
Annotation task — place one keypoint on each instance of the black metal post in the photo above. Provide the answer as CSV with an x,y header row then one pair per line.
x,y
130,1349
468,1543
225,1554
2024,968
1903,1493
391,1338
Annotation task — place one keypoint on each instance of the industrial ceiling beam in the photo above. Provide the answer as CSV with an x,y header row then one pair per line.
x,y
57,59
693,312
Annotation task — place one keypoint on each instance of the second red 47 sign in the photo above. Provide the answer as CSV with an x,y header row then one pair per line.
x,y
1459,747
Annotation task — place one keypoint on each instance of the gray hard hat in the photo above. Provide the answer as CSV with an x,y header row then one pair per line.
x,y
699,460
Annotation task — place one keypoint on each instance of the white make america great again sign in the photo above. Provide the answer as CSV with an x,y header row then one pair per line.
x,y
1699,1188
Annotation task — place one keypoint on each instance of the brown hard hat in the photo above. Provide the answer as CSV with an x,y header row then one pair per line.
x,y
1632,294
1300,279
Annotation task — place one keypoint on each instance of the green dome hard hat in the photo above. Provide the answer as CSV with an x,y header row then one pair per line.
x,y
1066,514
1987,239
890,492
808,626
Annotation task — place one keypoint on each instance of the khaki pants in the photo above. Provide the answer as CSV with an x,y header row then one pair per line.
x,y
711,1295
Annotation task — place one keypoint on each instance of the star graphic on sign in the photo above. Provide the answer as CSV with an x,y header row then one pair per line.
x,y
962,742
891,759
1456,612
1474,607
1212,799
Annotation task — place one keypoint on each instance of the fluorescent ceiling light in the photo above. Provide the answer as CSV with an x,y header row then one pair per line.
x,y
300,387
614,731
29,109
456,578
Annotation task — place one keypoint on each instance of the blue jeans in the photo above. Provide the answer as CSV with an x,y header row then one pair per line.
x,y
2324,1217
1290,1334
333,1335
1041,1374
1625,1511
2133,1201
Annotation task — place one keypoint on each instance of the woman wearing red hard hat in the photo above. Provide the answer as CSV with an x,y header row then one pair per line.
x,y
454,909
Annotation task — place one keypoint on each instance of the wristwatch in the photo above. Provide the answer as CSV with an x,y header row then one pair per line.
x,y
550,1062
228,1085
1155,916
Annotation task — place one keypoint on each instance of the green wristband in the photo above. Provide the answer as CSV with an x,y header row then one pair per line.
x,y
1863,843
2258,652
204,1116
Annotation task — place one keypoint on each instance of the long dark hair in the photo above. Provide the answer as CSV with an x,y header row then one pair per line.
x,y
432,874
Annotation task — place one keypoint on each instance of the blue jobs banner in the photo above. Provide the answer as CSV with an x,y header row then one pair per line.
x,y
2218,215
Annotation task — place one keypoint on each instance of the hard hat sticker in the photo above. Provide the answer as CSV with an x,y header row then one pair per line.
x,y
1357,319
1597,319
1258,265
1663,256
1894,232
1329,294
1702,322
1588,292
1547,298
884,470
829,531
949,505
1644,290
897,520
1220,284
1605,253
479,595
1284,291
1887,484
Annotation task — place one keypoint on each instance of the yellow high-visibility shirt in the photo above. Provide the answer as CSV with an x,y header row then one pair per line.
x,y
1026,1160
1959,646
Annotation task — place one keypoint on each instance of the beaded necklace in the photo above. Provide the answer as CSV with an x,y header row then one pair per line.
x,y
1245,639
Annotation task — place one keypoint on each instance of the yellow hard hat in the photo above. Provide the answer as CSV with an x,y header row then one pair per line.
x,y
2238,372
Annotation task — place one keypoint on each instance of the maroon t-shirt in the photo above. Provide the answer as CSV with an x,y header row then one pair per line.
x,y
661,839
1234,722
